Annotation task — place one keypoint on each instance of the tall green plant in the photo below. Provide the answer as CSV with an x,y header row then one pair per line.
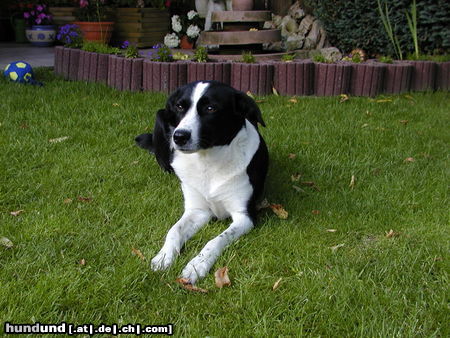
x,y
412,24
384,14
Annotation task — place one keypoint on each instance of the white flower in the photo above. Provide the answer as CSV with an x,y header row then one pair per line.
x,y
176,24
192,14
171,40
193,31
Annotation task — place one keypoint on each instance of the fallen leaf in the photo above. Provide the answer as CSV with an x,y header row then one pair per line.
x,y
279,211
6,242
336,247
17,212
221,277
116,104
82,262
275,92
67,201
409,97
24,126
84,199
383,100
298,189
352,182
365,125
438,259
391,233
293,100
263,204
185,284
331,230
409,159
59,139
249,93
276,284
343,98
315,212
405,122
253,29
368,113
138,253
292,156
295,177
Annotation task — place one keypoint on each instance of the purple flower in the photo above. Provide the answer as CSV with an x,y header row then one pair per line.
x,y
84,3
38,21
39,8
125,44
42,16
26,15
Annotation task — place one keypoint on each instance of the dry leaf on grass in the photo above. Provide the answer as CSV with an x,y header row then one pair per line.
x,y
17,212
116,104
6,242
298,189
405,122
184,283
274,91
295,177
352,182
409,160
292,156
59,139
84,199
138,253
331,230
310,184
315,212
343,98
221,277
391,233
293,100
67,201
336,247
279,211
276,284
383,100
249,93
82,262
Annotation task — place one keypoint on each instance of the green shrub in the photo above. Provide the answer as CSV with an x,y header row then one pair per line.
x,y
160,53
288,57
351,24
200,54
385,59
248,57
99,47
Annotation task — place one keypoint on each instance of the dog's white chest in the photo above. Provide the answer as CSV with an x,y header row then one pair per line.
x,y
219,174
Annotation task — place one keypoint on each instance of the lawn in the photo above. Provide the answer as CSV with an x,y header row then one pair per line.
x,y
88,196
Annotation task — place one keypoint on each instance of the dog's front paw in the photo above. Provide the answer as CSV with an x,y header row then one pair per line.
x,y
161,261
196,269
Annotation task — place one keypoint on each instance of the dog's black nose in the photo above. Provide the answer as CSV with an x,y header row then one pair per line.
x,y
180,137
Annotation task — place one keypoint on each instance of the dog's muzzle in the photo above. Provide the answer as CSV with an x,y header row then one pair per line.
x,y
181,137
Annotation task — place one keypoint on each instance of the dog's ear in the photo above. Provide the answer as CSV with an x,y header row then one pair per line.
x,y
145,141
247,107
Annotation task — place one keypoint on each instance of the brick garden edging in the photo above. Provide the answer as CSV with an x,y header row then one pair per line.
x,y
300,77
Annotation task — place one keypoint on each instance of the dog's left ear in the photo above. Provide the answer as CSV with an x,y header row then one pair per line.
x,y
247,107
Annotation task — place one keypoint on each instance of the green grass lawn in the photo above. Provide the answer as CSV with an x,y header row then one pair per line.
x,y
94,196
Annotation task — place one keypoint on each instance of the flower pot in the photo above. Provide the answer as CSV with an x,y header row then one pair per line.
x,y
185,43
206,71
164,76
294,78
331,79
366,79
242,5
254,77
96,31
41,35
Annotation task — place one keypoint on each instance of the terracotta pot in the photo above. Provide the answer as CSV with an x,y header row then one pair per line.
x,y
185,43
242,5
96,31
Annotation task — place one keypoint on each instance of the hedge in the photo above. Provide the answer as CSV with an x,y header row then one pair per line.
x,y
356,24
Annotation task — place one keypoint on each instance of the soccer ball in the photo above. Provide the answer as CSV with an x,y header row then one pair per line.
x,y
19,71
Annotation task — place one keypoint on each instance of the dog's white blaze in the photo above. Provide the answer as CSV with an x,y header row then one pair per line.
x,y
191,120
214,183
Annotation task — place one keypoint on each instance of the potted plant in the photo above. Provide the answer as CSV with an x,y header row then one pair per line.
x,y
41,31
202,69
249,75
160,73
186,30
93,20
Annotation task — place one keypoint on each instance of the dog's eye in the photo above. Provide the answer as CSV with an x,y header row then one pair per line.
x,y
211,109
179,107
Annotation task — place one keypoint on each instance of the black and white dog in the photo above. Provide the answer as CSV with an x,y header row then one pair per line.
x,y
208,135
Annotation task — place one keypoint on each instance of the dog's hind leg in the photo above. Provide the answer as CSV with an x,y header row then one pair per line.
x,y
199,266
191,221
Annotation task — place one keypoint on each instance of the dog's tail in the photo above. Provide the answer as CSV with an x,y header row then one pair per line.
x,y
145,141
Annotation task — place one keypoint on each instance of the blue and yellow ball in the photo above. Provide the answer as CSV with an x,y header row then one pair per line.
x,y
19,71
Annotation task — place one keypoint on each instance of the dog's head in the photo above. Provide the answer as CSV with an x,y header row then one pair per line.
x,y
204,114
